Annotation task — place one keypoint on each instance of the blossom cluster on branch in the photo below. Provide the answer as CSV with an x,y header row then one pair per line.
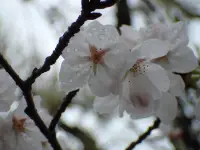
x,y
136,72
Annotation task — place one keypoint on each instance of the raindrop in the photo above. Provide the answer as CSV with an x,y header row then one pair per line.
x,y
75,49
101,36
94,29
104,30
79,66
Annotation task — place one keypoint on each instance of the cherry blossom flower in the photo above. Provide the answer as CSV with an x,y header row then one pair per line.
x,y
18,129
142,85
180,58
91,56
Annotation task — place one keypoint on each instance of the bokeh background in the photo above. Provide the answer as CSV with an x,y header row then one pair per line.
x,y
29,31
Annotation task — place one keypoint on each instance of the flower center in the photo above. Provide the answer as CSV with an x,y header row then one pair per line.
x,y
139,67
96,55
18,124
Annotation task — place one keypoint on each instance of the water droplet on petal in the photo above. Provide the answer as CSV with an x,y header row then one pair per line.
x,y
101,36
94,29
75,49
80,65
104,29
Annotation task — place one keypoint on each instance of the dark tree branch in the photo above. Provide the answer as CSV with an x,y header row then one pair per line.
x,y
67,100
144,135
123,14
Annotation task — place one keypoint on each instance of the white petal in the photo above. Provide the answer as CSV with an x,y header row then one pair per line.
x,y
177,85
100,82
182,60
177,35
130,36
138,96
142,84
135,108
72,78
101,36
158,77
154,48
76,48
120,61
167,110
154,31
106,105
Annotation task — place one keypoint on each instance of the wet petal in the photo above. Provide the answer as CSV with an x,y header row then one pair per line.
x,y
177,85
167,110
182,60
106,105
76,48
130,36
100,82
72,78
153,48
177,35
101,36
158,77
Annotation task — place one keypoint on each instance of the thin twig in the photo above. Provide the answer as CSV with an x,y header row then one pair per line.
x,y
144,135
67,100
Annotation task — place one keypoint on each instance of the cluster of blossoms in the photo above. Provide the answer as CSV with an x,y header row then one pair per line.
x,y
136,72
17,130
